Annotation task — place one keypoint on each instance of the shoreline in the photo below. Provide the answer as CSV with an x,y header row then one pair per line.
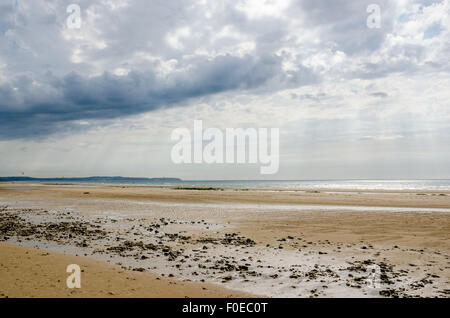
x,y
231,188
363,198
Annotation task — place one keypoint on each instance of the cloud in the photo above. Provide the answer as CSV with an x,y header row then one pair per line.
x,y
29,108
133,57
120,62
343,24
379,94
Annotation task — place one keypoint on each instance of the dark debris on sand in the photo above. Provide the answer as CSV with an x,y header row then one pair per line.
x,y
148,240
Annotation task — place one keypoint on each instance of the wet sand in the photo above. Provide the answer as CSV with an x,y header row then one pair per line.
x,y
272,243
375,198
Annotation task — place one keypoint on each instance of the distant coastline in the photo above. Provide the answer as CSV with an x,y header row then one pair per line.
x,y
95,179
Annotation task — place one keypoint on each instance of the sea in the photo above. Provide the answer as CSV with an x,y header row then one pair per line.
x,y
416,185
325,184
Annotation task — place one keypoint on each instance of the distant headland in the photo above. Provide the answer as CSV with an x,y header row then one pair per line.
x,y
96,179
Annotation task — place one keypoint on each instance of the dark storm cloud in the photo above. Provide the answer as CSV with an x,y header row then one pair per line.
x,y
27,109
42,89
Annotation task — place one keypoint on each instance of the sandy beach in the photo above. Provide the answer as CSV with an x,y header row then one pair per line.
x,y
30,272
142,241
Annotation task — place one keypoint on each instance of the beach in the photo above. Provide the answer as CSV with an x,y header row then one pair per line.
x,y
235,242
30,272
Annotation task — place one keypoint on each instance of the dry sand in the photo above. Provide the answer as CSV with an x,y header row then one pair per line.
x,y
271,243
29,272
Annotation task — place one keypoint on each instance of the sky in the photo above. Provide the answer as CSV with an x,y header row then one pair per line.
x,y
350,101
